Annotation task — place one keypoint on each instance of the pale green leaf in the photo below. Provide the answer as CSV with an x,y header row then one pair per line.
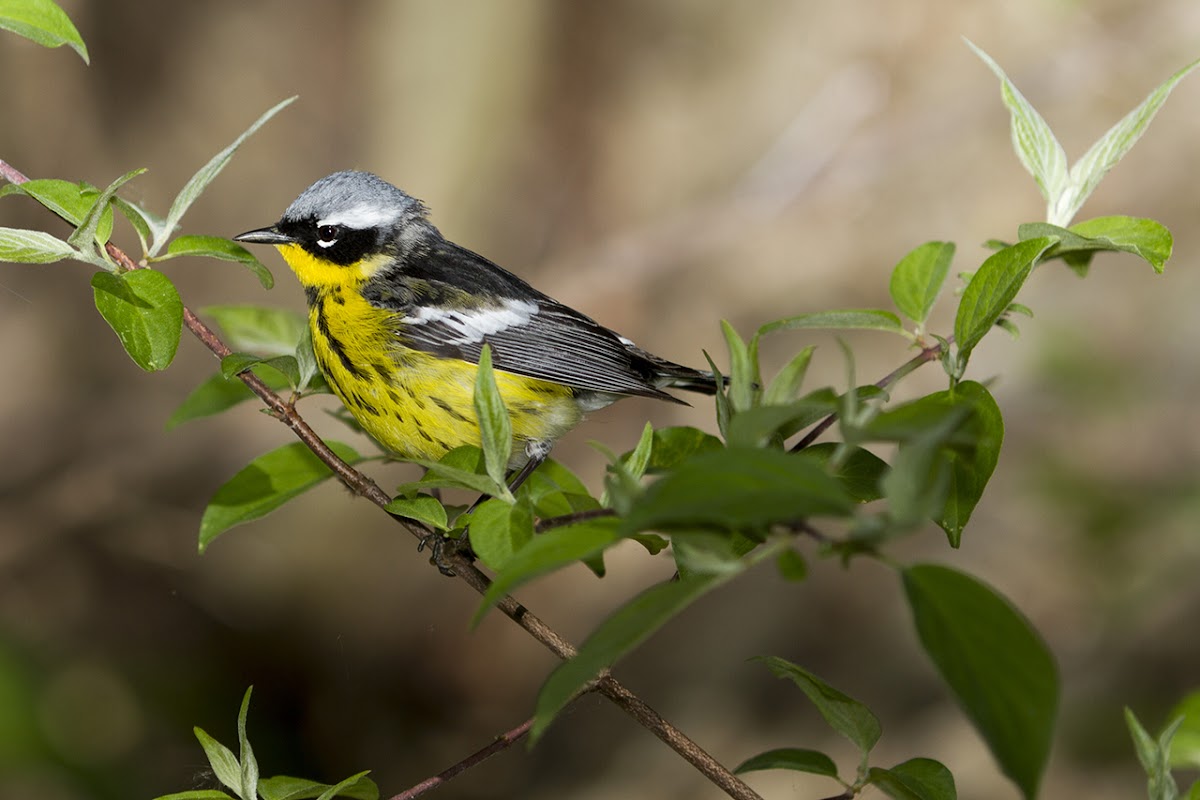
x,y
32,247
848,319
495,426
205,175
249,764
1036,145
223,249
1110,148
100,212
741,384
224,763
423,508
257,329
41,21
67,199
917,279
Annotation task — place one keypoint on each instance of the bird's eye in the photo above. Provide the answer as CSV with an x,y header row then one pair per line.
x,y
328,234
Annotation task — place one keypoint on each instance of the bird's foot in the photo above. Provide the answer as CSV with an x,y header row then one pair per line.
x,y
443,548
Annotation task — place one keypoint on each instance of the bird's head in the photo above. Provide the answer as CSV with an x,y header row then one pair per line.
x,y
345,228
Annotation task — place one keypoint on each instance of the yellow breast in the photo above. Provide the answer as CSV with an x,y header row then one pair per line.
x,y
415,404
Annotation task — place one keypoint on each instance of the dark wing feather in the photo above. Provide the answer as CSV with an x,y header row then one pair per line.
x,y
556,343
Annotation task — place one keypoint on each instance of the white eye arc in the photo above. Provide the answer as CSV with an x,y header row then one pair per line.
x,y
327,235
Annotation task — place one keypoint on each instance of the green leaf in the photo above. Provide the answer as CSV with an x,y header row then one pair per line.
x,y
68,200
786,384
1143,237
792,566
765,424
197,794
144,310
550,551
917,279
283,787
1033,140
237,363
915,779
224,763
144,222
1110,148
993,286
860,470
41,21
423,508
306,361
100,213
793,758
742,371
499,528
267,331
223,249
352,787
672,446
844,714
701,552
249,764
1185,747
720,398
995,663
204,176
739,488
33,247
495,426
265,484
624,630
970,471
554,491
218,394
637,460
849,319
458,469
1153,755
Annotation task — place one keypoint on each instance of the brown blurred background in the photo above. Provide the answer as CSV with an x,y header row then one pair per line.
x,y
659,166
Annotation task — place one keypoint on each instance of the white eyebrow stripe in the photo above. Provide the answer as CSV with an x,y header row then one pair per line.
x,y
473,324
362,217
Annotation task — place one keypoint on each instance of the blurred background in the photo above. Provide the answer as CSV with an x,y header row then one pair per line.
x,y
660,167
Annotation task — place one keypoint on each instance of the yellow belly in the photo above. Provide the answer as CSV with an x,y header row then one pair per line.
x,y
415,404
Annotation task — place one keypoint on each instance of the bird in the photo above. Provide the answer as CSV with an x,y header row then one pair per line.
x,y
399,315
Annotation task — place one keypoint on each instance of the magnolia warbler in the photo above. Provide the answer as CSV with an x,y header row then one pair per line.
x,y
399,315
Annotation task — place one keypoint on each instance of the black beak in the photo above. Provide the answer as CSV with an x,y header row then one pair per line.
x,y
269,235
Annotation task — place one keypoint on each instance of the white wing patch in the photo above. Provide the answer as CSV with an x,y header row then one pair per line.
x,y
473,324
361,217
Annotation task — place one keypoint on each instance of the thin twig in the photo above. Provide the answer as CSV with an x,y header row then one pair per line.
x,y
695,755
544,525
501,742
364,486
924,357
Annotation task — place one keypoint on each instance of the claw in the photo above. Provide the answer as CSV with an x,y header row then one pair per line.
x,y
441,549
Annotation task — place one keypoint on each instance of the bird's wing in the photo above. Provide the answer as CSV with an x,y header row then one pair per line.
x,y
451,301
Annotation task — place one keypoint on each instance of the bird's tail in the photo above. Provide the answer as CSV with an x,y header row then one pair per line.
x,y
677,376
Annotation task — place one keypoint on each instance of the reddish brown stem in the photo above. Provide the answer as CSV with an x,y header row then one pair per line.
x,y
925,356
501,742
